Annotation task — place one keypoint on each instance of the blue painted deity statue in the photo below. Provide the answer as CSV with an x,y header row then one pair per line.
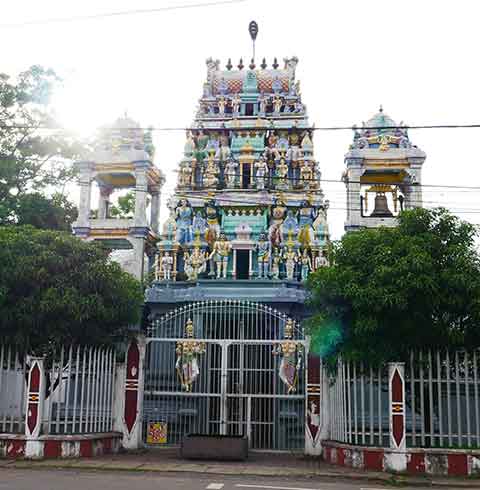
x,y
306,217
263,256
290,225
199,225
184,217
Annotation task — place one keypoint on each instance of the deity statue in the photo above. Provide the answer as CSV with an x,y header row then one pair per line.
x,y
276,260
277,216
220,253
306,265
189,147
282,144
195,263
298,107
210,178
306,217
261,173
262,105
187,352
321,260
236,101
291,258
185,174
281,175
306,174
290,225
213,222
199,226
184,218
263,256
166,266
277,85
231,174
307,145
320,226
170,226
223,151
201,145
222,102
277,104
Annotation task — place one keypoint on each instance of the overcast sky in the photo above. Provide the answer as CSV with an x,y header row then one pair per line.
x,y
419,59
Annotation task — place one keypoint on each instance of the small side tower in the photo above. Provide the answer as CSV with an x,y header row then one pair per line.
x,y
122,159
383,174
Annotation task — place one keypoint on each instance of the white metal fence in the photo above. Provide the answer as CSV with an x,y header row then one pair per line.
x,y
12,390
442,408
80,391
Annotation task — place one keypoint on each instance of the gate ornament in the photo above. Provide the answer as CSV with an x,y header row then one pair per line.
x,y
291,362
187,353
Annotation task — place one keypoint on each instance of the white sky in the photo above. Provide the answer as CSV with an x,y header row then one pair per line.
x,y
417,58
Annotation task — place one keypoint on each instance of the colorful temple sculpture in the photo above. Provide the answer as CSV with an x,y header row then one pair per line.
x,y
383,174
248,204
122,159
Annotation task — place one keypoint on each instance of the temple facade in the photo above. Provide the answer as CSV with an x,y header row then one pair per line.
x,y
383,174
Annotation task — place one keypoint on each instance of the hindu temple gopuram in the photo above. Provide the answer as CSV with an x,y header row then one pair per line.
x,y
248,219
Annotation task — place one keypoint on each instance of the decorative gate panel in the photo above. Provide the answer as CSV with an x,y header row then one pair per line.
x,y
226,367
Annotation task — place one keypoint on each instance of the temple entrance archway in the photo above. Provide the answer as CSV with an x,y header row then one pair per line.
x,y
225,367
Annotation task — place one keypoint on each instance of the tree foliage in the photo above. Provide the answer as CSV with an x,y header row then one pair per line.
x,y
56,289
391,290
32,159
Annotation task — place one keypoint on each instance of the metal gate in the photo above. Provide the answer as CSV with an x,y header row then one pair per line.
x,y
226,367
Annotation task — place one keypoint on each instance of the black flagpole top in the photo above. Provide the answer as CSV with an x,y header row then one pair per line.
x,y
253,30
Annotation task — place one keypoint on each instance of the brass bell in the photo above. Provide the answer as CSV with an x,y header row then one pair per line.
x,y
381,206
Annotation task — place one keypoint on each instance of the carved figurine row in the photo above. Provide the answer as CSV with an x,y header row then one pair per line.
x,y
288,262
276,104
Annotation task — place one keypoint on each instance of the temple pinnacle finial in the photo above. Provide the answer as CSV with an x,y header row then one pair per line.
x,y
252,64
381,108
264,64
253,30
240,65
275,63
229,64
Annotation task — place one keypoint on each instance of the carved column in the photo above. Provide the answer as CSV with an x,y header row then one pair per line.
x,y
84,207
141,189
103,199
155,209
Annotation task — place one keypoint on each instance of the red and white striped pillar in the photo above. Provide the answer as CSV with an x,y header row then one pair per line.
x,y
397,459
34,407
133,388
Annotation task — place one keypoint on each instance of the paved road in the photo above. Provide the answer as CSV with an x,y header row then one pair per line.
x,y
50,479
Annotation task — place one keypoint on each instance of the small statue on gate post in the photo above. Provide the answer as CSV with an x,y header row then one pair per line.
x,y
187,357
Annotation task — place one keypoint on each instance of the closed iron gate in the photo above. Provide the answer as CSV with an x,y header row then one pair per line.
x,y
225,367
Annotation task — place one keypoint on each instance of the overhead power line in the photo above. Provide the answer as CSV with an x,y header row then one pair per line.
x,y
79,18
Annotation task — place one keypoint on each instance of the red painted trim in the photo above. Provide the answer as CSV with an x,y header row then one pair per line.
x,y
416,463
397,388
52,449
373,460
313,369
107,446
15,449
457,464
398,425
32,418
340,456
86,449
131,395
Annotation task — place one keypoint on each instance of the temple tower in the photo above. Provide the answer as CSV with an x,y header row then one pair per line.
x,y
248,205
383,174
122,159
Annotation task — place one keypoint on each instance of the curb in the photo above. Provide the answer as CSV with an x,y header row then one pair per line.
x,y
231,470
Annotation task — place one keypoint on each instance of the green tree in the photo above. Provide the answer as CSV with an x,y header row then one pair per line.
x,y
33,159
57,289
125,207
390,290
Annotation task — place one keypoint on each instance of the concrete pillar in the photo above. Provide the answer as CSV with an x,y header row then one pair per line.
x,y
141,189
84,207
34,408
353,196
396,460
128,408
155,210
103,199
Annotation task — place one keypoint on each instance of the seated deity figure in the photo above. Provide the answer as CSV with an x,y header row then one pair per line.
x,y
306,175
290,258
305,221
290,225
166,266
195,263
220,253
281,175
263,256
261,173
306,265
199,226
231,168
184,218
282,144
210,178
236,101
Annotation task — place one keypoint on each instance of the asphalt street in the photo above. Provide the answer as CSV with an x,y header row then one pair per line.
x,y
52,479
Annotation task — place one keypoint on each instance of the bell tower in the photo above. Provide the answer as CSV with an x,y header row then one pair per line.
x,y
383,174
